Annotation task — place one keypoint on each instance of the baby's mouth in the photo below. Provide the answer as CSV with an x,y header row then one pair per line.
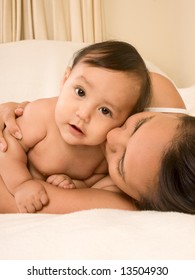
x,y
74,127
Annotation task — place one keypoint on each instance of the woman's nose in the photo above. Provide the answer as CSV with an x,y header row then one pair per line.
x,y
116,138
84,113
118,133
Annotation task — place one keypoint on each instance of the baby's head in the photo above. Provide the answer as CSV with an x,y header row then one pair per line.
x,y
119,56
107,83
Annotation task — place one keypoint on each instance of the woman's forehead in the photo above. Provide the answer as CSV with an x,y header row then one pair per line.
x,y
145,149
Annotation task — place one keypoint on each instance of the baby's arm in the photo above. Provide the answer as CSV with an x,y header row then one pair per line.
x,y
64,181
13,163
30,195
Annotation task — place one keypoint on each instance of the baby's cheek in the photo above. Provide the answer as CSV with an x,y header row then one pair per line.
x,y
100,135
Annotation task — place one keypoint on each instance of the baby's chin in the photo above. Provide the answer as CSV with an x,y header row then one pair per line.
x,y
96,141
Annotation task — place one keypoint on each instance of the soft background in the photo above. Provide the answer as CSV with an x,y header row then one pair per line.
x,y
162,30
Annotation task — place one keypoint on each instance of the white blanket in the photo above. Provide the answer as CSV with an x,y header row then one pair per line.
x,y
98,234
30,70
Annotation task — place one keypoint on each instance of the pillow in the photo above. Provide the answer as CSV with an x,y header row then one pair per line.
x,y
153,68
33,69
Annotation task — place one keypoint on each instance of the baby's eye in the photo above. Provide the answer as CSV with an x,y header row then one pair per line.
x,y
105,111
80,92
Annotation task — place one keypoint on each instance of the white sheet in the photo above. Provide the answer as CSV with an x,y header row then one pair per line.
x,y
98,234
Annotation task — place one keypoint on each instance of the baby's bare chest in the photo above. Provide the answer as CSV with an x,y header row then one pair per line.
x,y
45,160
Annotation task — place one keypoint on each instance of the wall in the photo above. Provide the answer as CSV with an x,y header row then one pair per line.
x,y
163,31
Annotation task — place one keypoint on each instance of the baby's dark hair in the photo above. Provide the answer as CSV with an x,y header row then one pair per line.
x,y
176,182
119,56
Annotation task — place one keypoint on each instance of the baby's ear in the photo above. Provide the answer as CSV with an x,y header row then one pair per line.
x,y
66,75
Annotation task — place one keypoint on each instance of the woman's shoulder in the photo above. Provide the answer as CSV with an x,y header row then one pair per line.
x,y
164,93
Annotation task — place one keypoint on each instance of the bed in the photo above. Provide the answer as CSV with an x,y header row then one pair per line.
x,y
32,69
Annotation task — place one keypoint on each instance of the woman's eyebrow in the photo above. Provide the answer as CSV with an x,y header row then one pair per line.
x,y
141,122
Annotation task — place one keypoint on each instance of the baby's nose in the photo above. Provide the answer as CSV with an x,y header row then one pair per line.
x,y
84,114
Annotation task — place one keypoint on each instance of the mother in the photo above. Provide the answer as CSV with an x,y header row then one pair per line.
x,y
151,162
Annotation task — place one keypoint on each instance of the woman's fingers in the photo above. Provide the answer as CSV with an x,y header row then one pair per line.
x,y
12,126
3,144
8,113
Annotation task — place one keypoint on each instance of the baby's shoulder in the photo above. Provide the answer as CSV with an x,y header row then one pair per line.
x,y
43,104
40,109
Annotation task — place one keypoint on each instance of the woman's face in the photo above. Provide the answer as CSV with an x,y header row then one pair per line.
x,y
134,151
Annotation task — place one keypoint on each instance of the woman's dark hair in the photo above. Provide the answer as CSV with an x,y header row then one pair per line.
x,y
119,56
176,183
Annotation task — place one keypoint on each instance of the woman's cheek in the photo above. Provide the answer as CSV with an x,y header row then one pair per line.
x,y
113,171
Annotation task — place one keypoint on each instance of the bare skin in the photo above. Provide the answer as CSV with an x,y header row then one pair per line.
x,y
59,133
164,95
66,201
133,158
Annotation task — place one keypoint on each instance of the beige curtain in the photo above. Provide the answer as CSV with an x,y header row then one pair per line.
x,y
69,20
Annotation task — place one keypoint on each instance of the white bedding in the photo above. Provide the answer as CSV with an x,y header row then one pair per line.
x,y
98,234
30,70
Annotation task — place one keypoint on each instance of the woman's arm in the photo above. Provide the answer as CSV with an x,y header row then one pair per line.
x,y
8,113
164,93
66,201
29,194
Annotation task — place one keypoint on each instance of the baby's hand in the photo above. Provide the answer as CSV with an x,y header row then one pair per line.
x,y
31,197
61,180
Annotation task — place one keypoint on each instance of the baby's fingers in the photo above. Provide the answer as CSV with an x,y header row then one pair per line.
x,y
50,179
44,198
38,203
26,208
56,179
40,200
66,184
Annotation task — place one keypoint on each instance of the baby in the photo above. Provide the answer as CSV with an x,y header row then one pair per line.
x,y
107,82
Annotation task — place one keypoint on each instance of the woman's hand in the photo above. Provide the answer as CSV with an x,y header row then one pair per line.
x,y
8,113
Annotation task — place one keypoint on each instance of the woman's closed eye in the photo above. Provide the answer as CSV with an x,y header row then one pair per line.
x,y
80,92
140,122
120,166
